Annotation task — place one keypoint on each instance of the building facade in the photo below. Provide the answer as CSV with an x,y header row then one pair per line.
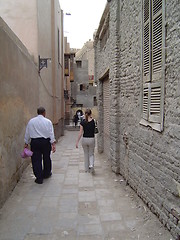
x,y
84,87
18,100
30,31
136,67
40,29
68,80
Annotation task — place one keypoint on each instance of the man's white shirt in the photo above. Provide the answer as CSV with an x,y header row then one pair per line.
x,y
39,127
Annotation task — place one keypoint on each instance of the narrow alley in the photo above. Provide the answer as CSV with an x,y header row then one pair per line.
x,y
76,205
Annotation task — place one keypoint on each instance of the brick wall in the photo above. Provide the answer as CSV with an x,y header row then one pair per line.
x,y
149,160
107,58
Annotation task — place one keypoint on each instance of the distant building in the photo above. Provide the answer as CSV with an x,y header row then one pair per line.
x,y
69,55
84,87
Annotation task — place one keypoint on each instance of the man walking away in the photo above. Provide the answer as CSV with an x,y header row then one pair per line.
x,y
75,120
40,135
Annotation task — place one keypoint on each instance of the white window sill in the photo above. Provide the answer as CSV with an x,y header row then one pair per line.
x,y
156,126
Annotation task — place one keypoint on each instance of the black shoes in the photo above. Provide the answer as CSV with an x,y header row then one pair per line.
x,y
38,181
45,177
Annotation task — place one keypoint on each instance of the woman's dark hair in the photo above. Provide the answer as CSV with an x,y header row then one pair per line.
x,y
41,110
87,114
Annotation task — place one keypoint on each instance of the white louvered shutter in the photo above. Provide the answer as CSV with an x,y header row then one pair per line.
x,y
146,91
146,41
155,103
156,107
146,57
157,36
153,60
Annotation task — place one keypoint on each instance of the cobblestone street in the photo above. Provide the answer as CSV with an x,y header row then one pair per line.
x,y
75,205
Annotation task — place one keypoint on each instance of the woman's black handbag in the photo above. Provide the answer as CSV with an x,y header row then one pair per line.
x,y
96,128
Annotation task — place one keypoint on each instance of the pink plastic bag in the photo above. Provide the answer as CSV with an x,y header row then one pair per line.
x,y
26,153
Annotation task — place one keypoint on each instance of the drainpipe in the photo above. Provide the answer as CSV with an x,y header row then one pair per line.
x,y
62,74
53,59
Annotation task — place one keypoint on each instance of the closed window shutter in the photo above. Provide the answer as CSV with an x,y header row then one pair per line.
x,y
157,40
146,58
156,108
146,42
146,94
155,103
153,61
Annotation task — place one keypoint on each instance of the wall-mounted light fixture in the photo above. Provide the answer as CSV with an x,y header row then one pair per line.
x,y
43,62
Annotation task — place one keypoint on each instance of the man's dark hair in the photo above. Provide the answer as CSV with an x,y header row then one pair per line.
x,y
41,110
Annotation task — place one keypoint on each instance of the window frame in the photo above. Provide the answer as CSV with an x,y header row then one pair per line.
x,y
79,63
82,87
104,33
152,70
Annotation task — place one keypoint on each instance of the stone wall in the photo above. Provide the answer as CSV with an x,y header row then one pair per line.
x,y
18,103
148,160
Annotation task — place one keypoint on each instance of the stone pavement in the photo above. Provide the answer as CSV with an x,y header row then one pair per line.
x,y
75,205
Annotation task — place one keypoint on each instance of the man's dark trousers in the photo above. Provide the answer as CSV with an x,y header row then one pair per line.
x,y
41,149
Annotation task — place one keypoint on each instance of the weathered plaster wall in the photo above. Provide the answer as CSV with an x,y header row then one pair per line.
x,y
18,103
52,78
21,17
36,24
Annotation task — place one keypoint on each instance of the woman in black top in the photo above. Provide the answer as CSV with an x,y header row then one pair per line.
x,y
87,127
